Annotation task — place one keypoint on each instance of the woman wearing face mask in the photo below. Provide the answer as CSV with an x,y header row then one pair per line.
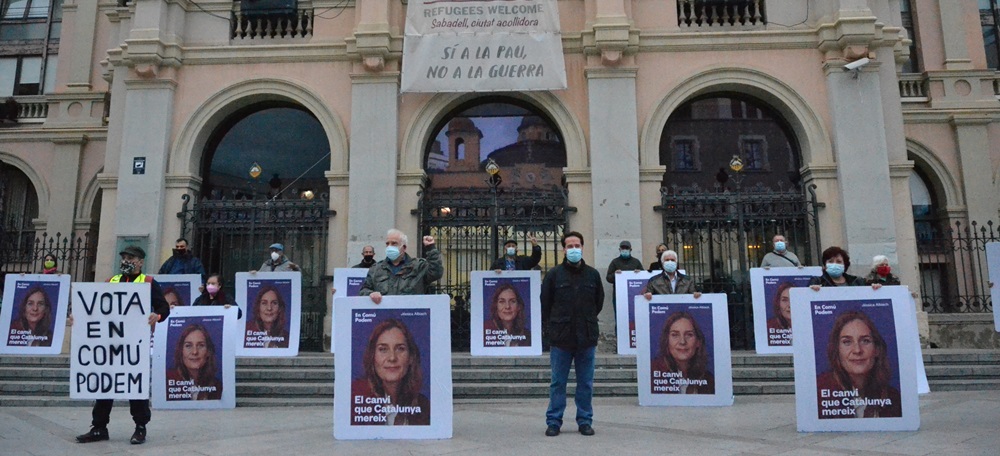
x,y
670,281
881,273
213,295
50,265
836,261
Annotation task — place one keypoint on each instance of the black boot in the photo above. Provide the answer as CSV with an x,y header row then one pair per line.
x,y
139,436
96,434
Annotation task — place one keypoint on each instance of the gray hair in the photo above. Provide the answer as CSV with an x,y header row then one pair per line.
x,y
668,252
402,236
879,259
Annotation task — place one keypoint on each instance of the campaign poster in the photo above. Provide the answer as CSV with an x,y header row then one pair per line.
x,y
854,360
34,314
923,386
772,305
393,368
683,350
179,289
628,285
506,313
109,358
348,283
194,363
272,305
993,264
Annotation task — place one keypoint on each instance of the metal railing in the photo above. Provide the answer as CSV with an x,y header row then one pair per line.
x,y
913,88
74,255
256,26
953,272
720,13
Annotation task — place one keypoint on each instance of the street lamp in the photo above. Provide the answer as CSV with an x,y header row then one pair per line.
x,y
493,181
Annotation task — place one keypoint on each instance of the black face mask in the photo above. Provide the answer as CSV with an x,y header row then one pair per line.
x,y
127,267
180,252
369,258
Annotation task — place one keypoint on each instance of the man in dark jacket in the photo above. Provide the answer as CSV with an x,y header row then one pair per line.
x,y
511,261
183,261
368,258
572,297
623,262
131,267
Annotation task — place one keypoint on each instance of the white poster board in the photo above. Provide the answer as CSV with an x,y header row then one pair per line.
x,y
772,318
993,264
506,313
33,317
628,285
194,359
348,283
404,340
272,309
482,46
923,386
110,354
684,356
179,289
846,337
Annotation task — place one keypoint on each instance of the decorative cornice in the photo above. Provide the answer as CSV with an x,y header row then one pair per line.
x,y
336,179
577,176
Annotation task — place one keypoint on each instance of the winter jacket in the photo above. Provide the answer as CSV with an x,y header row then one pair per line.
x,y
414,276
572,297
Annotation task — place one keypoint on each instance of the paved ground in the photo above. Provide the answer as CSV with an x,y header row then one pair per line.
x,y
963,423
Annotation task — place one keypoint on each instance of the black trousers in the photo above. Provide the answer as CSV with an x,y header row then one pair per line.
x,y
102,412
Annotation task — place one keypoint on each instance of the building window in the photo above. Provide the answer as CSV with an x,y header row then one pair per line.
x,y
685,154
22,75
989,13
912,65
754,149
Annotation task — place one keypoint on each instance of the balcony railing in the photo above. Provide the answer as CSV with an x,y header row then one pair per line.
x,y
720,13
247,26
913,88
24,109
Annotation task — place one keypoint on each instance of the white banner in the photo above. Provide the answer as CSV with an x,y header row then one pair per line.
x,y
482,46
393,368
272,313
179,289
506,311
110,354
772,305
993,265
347,282
33,319
628,285
194,362
854,359
684,356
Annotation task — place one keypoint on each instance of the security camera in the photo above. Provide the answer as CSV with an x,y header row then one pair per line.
x,y
857,64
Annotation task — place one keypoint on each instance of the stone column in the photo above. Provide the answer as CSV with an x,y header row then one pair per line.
x,y
79,26
63,188
374,162
981,190
953,30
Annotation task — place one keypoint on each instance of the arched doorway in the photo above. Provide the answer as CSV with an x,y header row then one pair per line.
x,y
472,212
264,182
732,182
18,207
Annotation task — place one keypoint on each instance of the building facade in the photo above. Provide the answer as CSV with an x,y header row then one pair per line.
x,y
237,125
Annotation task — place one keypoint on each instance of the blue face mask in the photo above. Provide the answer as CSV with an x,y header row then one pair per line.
x,y
511,251
670,266
574,255
779,246
835,269
626,254
392,252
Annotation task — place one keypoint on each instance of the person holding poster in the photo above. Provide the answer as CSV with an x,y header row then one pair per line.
x,y
368,258
214,295
780,257
182,261
511,261
682,358
857,384
836,261
623,262
670,281
33,321
267,318
194,369
782,309
881,273
506,319
572,297
50,265
401,274
133,259
657,264
392,380
278,262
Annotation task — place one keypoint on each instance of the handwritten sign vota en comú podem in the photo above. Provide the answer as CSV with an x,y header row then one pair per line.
x,y
110,354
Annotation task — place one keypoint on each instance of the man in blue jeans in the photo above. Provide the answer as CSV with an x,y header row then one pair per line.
x,y
572,297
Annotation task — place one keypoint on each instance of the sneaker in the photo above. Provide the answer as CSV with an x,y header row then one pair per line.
x,y
95,434
586,429
552,431
139,436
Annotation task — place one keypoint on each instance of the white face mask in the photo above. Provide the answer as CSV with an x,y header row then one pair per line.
x,y
275,256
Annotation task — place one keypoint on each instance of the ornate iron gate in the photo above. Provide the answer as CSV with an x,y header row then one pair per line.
x,y
469,225
719,234
231,236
